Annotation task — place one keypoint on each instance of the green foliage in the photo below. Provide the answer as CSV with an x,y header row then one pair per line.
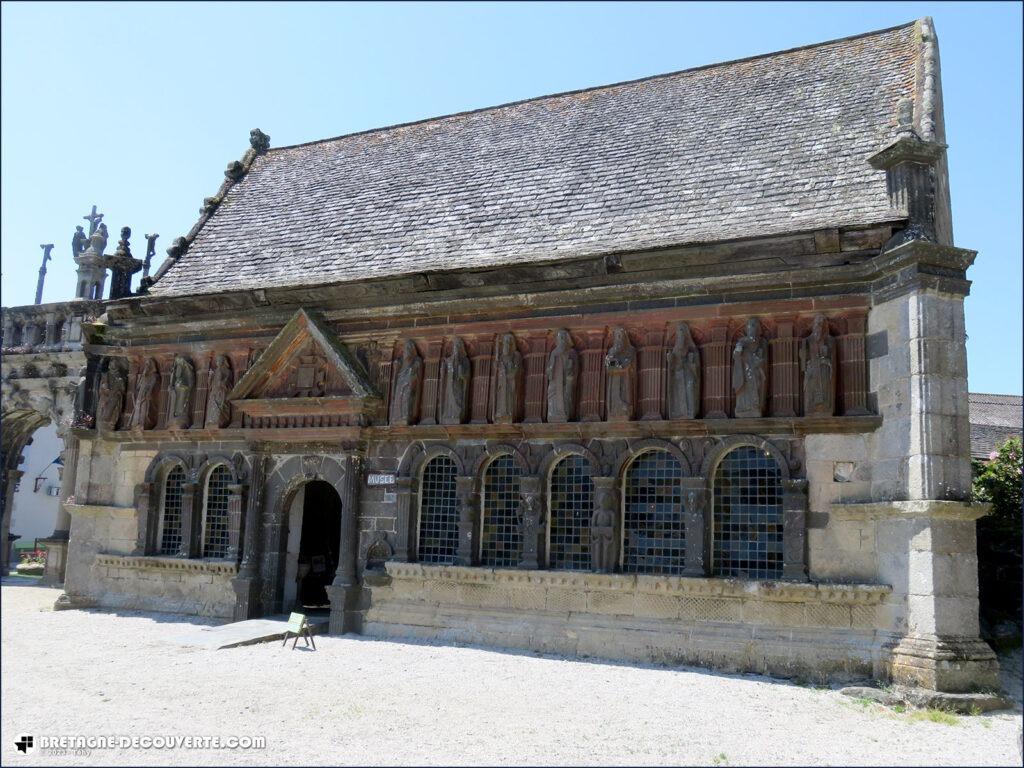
x,y
998,482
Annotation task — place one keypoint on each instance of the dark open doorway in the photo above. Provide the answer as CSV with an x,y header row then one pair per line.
x,y
318,547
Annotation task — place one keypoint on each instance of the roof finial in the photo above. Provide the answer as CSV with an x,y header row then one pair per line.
x,y
905,118
259,141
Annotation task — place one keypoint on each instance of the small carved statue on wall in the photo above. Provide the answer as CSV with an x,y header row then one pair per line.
x,y
509,378
183,381
145,388
683,376
218,409
79,242
457,371
602,532
562,371
818,359
750,371
530,524
111,397
98,240
406,394
620,363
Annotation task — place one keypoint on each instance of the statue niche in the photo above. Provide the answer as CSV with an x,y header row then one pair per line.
x,y
183,382
218,409
683,375
620,363
111,396
818,360
405,396
457,369
750,371
508,381
145,389
562,371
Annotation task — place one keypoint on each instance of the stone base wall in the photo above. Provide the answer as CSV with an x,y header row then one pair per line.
x,y
809,631
167,584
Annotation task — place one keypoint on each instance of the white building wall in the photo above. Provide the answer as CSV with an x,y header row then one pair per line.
x,y
34,513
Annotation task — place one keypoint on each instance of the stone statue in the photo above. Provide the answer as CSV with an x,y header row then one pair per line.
x,y
406,394
144,391
457,369
683,375
508,381
218,409
818,360
123,246
183,381
602,532
620,363
111,397
562,371
150,253
98,240
79,242
750,371
82,416
259,141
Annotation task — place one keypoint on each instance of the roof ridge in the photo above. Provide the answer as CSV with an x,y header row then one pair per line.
x,y
593,88
993,394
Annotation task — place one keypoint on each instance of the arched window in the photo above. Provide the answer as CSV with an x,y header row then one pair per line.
x,y
571,501
215,513
653,529
747,522
438,532
500,542
170,511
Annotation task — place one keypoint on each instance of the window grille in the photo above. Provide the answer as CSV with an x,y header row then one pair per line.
x,y
654,534
215,534
500,542
439,512
170,526
747,531
571,497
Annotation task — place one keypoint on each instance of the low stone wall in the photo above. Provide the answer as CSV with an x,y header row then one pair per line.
x,y
165,584
812,631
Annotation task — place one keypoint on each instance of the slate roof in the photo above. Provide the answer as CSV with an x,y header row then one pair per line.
x,y
769,145
994,420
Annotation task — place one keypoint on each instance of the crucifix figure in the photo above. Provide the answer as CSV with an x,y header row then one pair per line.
x,y
94,220
42,271
150,253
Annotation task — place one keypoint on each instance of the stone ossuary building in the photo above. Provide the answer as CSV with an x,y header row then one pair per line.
x,y
668,370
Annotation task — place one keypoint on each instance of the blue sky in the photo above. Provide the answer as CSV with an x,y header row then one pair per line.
x,y
138,108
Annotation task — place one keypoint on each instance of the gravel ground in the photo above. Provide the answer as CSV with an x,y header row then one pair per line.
x,y
360,701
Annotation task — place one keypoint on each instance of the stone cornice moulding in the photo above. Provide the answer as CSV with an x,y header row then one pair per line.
x,y
919,508
95,510
774,591
157,563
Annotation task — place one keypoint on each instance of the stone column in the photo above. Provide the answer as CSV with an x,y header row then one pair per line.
x,y
603,487
246,584
482,360
716,369
345,593
468,501
191,539
8,330
11,478
695,524
235,496
591,384
405,524
785,371
651,371
57,542
794,530
533,518
431,383
535,362
50,342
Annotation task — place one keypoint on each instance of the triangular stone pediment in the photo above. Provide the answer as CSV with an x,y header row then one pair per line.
x,y
306,370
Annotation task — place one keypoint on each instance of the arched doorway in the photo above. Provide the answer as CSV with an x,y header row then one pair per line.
x,y
314,535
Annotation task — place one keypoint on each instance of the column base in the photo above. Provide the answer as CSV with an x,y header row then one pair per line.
x,y
56,559
945,664
247,595
346,615
66,602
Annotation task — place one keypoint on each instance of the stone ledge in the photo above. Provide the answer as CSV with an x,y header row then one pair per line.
x,y
97,509
934,508
150,563
775,591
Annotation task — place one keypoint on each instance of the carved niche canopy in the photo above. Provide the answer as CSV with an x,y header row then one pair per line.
x,y
306,371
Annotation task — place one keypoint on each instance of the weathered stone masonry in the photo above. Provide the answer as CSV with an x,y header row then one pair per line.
x,y
577,387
